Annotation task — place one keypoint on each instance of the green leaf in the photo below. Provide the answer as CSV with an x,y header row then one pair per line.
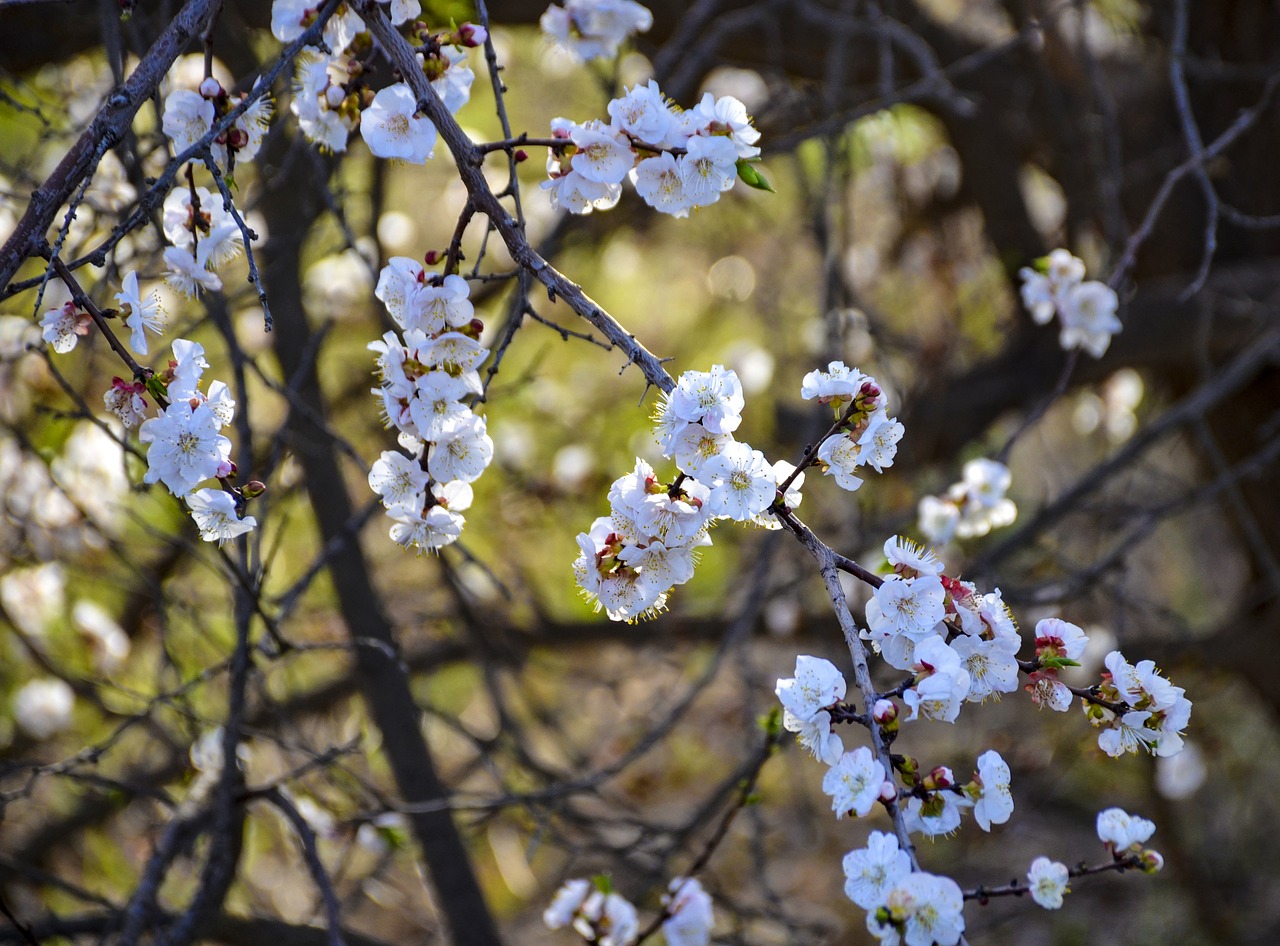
x,y
157,388
771,723
753,178
1057,663
396,838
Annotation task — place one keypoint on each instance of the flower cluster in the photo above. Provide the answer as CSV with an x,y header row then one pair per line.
x,y
632,558
606,918
425,374
868,436
190,115
676,160
204,237
920,909
1058,644
970,508
959,644
183,441
185,445
594,29
857,781
1123,835
1086,310
65,324
331,97
290,18
807,700
1155,714
902,905
326,111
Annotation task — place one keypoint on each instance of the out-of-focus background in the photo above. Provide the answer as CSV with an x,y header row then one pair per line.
x,y
922,153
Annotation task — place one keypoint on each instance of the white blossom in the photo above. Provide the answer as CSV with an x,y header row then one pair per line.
x,y
462,452
742,483
187,118
453,85
817,685
1121,830
642,112
63,326
42,708
922,909
391,129
607,919
1089,319
1048,882
594,29
189,274
910,606
691,917
871,872
399,480
566,903
994,803
713,398
139,313
707,168
184,446
658,182
854,782
214,511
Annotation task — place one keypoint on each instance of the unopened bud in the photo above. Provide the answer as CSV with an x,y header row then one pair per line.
x,y
1151,861
888,791
939,777
334,95
432,257
474,328
237,138
520,155
885,711
472,35
226,470
253,489
210,88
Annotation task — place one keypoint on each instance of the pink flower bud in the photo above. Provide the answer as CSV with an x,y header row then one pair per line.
x,y
334,95
520,155
1151,861
432,257
885,711
472,35
210,88
942,777
888,791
